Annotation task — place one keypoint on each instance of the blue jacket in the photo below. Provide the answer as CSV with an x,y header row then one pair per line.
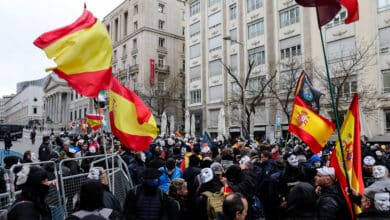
x,y
165,180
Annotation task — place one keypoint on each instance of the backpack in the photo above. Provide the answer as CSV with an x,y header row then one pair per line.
x,y
214,203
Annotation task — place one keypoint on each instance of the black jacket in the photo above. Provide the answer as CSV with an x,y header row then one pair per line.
x,y
331,204
24,209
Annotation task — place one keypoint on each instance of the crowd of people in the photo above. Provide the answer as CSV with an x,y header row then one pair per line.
x,y
191,178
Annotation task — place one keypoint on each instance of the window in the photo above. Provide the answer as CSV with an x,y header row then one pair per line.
x,y
213,118
195,8
161,8
290,47
215,43
386,80
235,89
195,50
215,19
71,96
35,110
384,40
257,55
134,43
383,4
233,36
80,114
253,4
195,73
135,25
213,2
71,118
195,29
341,48
234,63
75,115
85,111
216,93
338,19
215,68
161,60
125,17
116,33
161,42
35,99
135,9
287,79
124,50
387,115
233,11
255,28
289,16
161,24
135,59
255,84
349,88
195,96
161,85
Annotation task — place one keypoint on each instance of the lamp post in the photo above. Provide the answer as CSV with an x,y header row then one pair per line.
x,y
244,124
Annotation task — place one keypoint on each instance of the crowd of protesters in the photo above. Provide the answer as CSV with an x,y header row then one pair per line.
x,y
191,178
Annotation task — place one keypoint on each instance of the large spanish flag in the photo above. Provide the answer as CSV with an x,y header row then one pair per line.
x,y
94,121
131,120
82,52
350,135
310,127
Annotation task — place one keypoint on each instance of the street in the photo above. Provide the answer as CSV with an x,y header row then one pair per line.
x,y
24,144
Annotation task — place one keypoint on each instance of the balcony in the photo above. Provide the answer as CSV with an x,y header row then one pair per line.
x,y
133,69
162,69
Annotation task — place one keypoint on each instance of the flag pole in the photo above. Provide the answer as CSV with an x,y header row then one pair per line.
x,y
335,113
97,105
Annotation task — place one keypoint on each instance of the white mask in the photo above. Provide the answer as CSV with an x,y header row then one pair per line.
x,y
292,160
382,201
206,174
379,171
143,157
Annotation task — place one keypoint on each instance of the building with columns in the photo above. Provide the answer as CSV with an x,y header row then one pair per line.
x,y
26,107
270,33
148,52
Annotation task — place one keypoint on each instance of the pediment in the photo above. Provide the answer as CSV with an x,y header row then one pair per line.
x,y
54,82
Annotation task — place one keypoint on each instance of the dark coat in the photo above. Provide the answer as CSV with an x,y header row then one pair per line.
x,y
23,209
110,201
44,152
331,204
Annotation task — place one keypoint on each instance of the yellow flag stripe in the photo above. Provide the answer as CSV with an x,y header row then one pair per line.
x,y
86,50
125,117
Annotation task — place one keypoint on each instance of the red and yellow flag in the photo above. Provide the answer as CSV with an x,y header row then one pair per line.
x,y
94,121
350,135
131,120
83,127
82,52
310,127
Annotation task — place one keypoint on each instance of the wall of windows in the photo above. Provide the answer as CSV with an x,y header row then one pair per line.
x,y
216,93
255,28
289,16
214,19
195,8
195,29
195,96
215,68
195,73
257,55
253,4
215,43
195,50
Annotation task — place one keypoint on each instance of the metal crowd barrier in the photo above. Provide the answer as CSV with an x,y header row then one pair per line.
x,y
63,188
119,180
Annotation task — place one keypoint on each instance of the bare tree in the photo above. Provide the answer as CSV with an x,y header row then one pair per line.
x,y
162,97
283,89
347,77
248,97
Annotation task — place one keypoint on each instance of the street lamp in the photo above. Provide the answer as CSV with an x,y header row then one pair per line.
x,y
229,38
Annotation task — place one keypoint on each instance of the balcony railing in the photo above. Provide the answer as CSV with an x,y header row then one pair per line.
x,y
133,69
162,68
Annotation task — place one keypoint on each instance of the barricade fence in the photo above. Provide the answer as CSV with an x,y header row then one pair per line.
x,y
64,187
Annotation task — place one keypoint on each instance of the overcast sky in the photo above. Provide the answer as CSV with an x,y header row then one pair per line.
x,y
22,21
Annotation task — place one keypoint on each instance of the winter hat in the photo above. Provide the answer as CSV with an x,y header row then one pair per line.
x,y
217,168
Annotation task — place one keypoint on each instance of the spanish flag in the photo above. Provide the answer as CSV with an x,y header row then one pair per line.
x,y
83,127
94,121
350,136
131,120
82,52
310,127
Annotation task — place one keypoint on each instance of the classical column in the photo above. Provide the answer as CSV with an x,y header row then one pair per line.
x,y
60,108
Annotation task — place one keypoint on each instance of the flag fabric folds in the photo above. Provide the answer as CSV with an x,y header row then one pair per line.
x,y
328,9
310,127
307,93
94,121
131,120
350,135
82,52
83,127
